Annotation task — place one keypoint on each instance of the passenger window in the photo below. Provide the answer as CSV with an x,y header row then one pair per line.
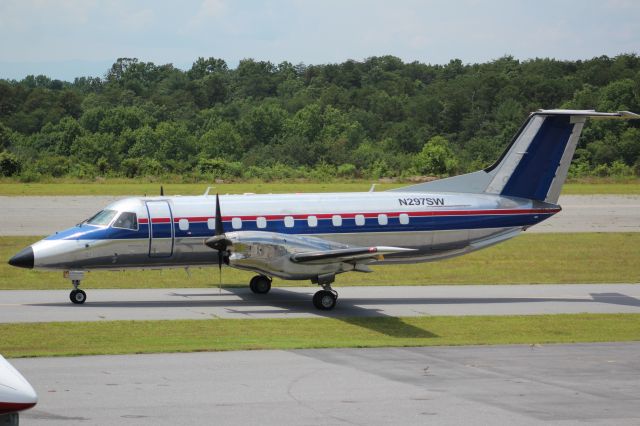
x,y
126,220
261,222
288,221
359,219
183,224
336,220
211,223
312,221
236,223
382,219
404,219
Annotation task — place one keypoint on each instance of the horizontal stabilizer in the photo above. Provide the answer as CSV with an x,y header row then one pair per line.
x,y
618,115
346,255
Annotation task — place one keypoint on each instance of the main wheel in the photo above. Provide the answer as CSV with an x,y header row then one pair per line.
x,y
260,284
325,300
78,296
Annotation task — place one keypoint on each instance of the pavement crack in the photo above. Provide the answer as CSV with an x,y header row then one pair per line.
x,y
312,407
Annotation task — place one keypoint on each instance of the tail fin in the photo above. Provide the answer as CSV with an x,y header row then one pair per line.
x,y
535,164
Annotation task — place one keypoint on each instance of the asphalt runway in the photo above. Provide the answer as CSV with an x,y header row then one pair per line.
x,y
581,213
295,302
595,384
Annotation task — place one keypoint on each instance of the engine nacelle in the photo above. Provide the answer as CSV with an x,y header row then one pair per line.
x,y
270,253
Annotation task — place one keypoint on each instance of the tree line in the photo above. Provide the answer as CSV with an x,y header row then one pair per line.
x,y
375,118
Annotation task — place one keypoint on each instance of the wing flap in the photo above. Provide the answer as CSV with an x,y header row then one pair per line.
x,y
346,255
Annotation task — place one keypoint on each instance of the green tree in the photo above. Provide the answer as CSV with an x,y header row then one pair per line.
x,y
9,164
262,123
436,158
221,142
5,137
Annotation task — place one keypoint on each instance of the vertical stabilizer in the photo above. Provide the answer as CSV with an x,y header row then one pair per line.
x,y
536,163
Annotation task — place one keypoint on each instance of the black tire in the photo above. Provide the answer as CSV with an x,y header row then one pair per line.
x,y
253,280
324,300
78,297
260,284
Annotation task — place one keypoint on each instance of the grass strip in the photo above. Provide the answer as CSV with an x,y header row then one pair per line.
x,y
527,259
134,187
131,337
128,188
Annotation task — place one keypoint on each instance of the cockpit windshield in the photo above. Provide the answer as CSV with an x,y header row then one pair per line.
x,y
102,218
126,220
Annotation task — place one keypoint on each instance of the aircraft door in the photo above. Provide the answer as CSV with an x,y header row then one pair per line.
x,y
161,232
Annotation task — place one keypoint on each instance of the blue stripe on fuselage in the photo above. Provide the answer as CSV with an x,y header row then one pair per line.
x,y
91,232
417,223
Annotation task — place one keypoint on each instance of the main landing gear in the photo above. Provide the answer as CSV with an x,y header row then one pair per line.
x,y
77,296
325,299
260,284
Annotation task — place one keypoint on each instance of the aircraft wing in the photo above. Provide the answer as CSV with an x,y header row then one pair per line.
x,y
298,249
346,254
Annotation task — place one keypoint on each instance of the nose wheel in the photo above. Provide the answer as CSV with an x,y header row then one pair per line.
x,y
77,296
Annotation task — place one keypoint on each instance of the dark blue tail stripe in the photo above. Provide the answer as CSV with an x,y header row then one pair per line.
x,y
534,174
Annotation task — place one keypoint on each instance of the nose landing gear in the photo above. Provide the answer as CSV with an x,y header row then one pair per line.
x,y
77,296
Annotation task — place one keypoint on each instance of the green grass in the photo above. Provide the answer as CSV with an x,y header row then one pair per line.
x,y
604,188
129,337
126,187
529,258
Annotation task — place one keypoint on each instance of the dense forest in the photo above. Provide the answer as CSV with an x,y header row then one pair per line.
x,y
376,118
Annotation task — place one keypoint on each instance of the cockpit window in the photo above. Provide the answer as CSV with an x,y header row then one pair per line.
x,y
102,218
126,220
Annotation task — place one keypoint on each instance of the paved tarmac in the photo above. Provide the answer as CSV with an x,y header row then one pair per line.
x,y
581,213
295,302
596,384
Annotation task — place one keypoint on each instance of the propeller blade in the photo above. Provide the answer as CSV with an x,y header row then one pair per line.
x,y
161,191
219,226
219,241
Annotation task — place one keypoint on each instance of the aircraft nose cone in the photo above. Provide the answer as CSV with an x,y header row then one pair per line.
x,y
24,259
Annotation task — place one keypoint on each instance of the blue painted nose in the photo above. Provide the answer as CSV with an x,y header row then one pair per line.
x,y
24,259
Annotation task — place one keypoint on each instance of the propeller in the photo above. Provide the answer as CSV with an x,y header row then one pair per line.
x,y
161,191
219,241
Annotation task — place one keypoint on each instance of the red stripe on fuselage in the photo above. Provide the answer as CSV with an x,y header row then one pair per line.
x,y
366,215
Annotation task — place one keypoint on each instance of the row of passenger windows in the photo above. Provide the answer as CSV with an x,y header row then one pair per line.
x,y
289,221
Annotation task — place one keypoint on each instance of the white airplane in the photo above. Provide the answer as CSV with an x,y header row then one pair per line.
x,y
317,236
16,394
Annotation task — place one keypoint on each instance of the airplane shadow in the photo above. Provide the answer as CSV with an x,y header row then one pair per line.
x,y
360,312
615,298
346,311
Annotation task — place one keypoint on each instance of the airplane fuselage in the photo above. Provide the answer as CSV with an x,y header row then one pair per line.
x,y
170,231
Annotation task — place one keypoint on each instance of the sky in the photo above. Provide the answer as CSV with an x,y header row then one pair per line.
x,y
64,39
